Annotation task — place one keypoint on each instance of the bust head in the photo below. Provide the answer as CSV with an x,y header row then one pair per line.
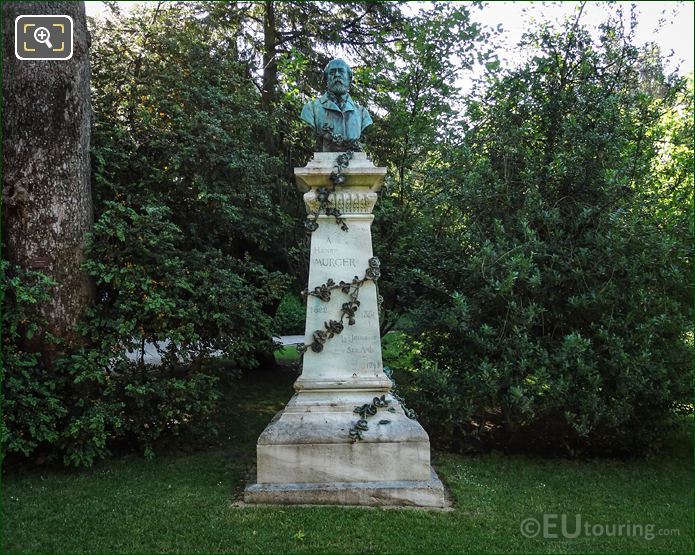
x,y
338,76
337,120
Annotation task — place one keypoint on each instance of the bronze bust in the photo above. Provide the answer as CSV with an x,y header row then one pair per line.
x,y
337,120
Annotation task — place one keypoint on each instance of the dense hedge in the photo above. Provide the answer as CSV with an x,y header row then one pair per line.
x,y
553,310
536,236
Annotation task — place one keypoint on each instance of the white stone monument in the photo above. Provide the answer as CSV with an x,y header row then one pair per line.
x,y
307,454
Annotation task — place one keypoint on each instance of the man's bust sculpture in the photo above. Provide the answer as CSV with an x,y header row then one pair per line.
x,y
337,120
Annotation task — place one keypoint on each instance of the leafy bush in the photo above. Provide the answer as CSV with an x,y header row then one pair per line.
x,y
153,288
92,398
182,247
290,317
118,402
31,401
550,282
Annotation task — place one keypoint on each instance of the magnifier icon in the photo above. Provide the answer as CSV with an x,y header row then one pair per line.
x,y
42,35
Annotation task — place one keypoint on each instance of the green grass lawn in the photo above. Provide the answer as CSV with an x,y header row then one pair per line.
x,y
184,502
287,355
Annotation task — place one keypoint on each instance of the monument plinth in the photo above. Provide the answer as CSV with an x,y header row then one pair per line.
x,y
311,453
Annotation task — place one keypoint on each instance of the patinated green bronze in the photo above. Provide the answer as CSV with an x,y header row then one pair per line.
x,y
337,120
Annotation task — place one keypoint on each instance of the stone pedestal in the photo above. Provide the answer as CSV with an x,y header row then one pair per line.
x,y
306,454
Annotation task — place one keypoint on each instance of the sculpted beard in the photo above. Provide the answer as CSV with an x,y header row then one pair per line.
x,y
338,87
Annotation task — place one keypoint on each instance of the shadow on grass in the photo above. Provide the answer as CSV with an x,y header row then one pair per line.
x,y
182,502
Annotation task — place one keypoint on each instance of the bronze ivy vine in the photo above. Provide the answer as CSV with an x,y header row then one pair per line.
x,y
410,413
337,178
370,409
352,289
348,309
365,411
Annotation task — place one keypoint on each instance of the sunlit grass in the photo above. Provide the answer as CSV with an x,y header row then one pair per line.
x,y
287,355
184,502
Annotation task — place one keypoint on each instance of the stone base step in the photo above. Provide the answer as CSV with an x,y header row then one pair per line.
x,y
427,494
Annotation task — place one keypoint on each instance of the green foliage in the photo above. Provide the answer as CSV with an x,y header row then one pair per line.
x,y
32,407
92,398
154,289
182,248
549,283
114,401
290,316
414,85
535,237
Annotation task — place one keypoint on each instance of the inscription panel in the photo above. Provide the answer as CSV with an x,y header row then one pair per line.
x,y
340,255
325,262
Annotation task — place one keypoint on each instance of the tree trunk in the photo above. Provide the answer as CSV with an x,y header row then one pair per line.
x,y
46,187
270,71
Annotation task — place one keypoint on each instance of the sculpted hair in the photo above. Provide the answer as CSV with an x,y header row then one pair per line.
x,y
334,62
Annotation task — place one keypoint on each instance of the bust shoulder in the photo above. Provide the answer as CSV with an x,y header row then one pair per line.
x,y
309,112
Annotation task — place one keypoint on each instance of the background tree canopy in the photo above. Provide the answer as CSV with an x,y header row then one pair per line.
x,y
535,235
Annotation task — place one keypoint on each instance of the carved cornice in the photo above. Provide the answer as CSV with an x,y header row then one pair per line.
x,y
359,173
347,200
